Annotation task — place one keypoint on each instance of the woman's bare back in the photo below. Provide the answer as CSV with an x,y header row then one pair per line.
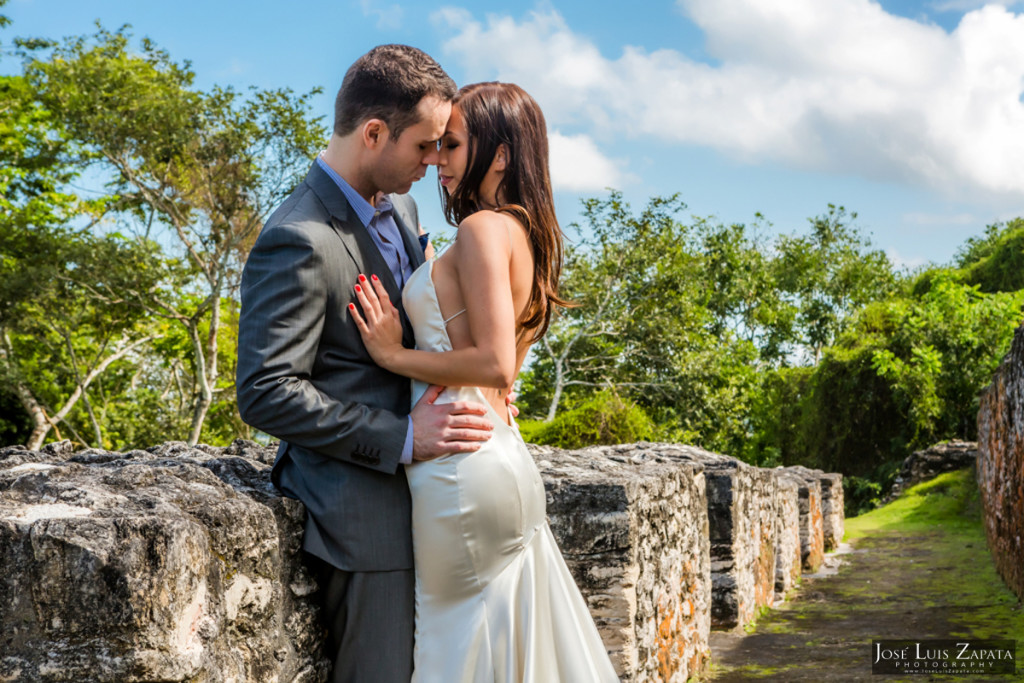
x,y
449,284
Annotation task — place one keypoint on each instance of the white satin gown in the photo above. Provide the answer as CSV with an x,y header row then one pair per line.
x,y
495,601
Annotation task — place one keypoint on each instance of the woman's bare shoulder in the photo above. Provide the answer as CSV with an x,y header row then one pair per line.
x,y
486,219
488,225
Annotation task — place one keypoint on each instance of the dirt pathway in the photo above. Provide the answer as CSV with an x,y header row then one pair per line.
x,y
890,585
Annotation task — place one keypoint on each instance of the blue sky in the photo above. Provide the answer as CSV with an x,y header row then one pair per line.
x,y
910,113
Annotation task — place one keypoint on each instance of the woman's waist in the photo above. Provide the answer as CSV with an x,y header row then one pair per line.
x,y
489,398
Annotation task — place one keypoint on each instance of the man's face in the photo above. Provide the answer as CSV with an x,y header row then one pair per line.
x,y
405,160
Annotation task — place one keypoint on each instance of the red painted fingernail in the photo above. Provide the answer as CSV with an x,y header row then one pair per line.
x,y
374,277
352,306
362,278
358,289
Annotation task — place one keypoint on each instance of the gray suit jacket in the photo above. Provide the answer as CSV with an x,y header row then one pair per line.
x,y
305,377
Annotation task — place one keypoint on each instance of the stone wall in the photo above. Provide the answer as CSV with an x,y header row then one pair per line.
x,y
1000,465
632,523
832,517
174,564
812,532
787,549
183,564
743,529
743,522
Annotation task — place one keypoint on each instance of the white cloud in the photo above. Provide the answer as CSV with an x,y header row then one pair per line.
x,y
578,165
968,5
388,18
827,85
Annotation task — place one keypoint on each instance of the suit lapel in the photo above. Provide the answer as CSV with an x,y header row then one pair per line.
x,y
357,241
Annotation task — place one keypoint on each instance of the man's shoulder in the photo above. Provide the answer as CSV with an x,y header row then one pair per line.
x,y
301,209
403,202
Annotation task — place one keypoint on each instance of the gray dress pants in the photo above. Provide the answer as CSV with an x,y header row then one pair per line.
x,y
369,619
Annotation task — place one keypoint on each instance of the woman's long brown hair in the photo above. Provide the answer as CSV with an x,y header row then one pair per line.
x,y
503,113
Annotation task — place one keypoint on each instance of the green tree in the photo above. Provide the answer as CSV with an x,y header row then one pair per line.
x,y
59,334
65,336
943,350
905,373
827,275
642,327
741,288
618,278
202,169
995,261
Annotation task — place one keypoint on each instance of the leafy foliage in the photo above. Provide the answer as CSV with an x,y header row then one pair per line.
x,y
995,261
827,275
116,312
203,169
603,419
810,349
906,374
689,320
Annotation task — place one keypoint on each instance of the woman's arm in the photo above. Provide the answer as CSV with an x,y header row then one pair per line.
x,y
482,253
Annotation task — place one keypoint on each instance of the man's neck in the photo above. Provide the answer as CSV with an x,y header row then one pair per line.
x,y
342,155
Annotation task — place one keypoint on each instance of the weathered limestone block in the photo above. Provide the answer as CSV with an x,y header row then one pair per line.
x,y
173,564
812,534
632,524
787,547
743,518
742,521
832,516
1000,465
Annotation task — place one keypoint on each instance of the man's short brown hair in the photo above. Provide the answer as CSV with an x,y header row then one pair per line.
x,y
387,83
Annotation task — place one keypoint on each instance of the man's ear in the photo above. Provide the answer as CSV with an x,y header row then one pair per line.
x,y
374,133
500,158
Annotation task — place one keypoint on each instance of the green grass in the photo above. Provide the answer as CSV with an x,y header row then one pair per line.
x,y
948,510
949,502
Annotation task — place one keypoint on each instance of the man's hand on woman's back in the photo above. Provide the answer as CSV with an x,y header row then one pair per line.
x,y
440,429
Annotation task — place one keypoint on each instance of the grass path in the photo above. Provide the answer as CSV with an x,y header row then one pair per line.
x,y
918,568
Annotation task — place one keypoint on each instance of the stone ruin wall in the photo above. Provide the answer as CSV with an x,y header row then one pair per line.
x,y
743,534
812,529
787,558
928,463
182,563
1000,465
175,564
633,527
832,517
829,491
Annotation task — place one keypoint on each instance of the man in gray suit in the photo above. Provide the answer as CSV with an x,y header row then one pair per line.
x,y
305,377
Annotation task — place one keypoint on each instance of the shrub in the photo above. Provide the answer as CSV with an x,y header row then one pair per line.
x,y
603,419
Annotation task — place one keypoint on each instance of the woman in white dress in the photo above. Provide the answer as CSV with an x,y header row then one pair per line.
x,y
494,598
